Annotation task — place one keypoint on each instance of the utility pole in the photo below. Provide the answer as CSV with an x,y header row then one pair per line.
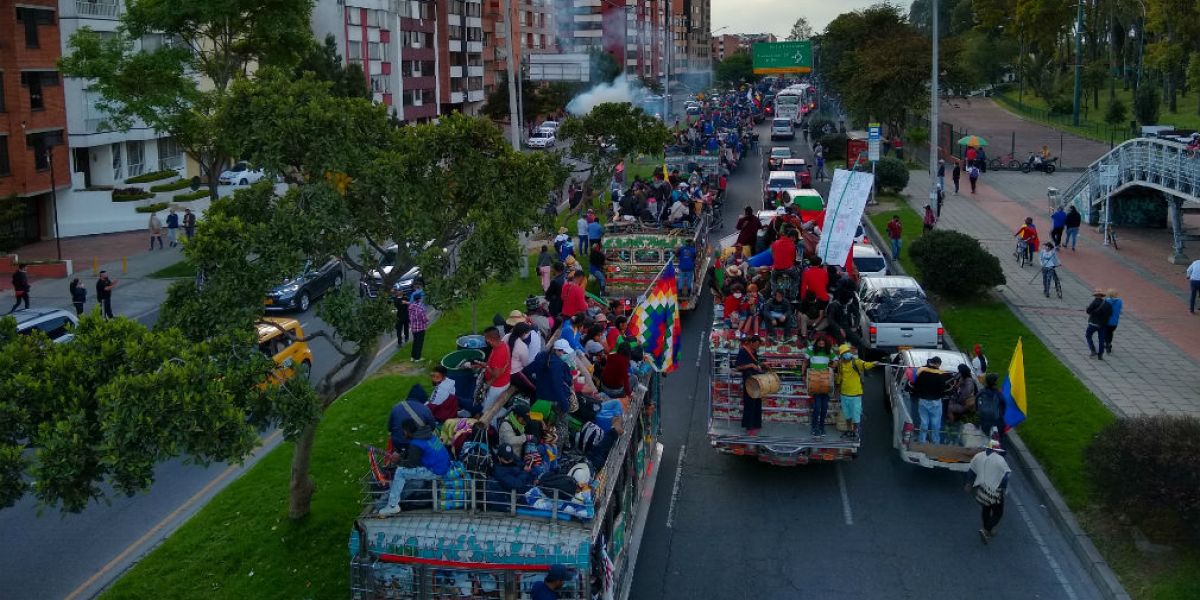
x,y
934,122
513,118
1078,63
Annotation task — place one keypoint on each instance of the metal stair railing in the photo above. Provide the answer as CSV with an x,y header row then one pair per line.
x,y
1156,163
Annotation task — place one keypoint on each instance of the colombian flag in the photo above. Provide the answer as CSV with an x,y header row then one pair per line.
x,y
1014,390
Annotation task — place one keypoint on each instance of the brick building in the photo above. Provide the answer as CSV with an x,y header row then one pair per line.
x,y
32,115
731,43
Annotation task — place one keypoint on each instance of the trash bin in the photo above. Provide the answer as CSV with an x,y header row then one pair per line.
x,y
471,342
462,375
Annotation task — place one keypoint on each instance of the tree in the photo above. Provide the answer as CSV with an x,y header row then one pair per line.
x,y
92,418
1193,77
322,60
452,196
801,30
886,78
1117,113
217,42
604,68
611,132
853,30
736,68
1146,105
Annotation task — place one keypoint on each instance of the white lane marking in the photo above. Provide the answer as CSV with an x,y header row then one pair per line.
x,y
846,512
1041,542
675,487
700,346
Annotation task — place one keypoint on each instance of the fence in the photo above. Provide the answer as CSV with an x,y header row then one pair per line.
x,y
1006,145
1100,132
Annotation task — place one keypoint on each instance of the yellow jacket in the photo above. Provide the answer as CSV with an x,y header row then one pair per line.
x,y
849,375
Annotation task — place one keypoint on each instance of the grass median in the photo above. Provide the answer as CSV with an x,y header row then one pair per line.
x,y
179,270
242,545
1064,417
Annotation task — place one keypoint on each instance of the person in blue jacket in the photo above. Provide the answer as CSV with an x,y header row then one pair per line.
x,y
687,266
411,408
1058,222
509,475
1114,300
426,458
551,373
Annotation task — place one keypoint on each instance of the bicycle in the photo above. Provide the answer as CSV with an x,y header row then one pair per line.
x,y
1110,236
1047,278
1008,161
1022,253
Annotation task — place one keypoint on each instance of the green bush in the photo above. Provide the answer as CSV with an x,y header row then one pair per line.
x,y
1061,105
816,123
130,194
1117,113
955,265
835,146
155,176
1147,104
891,173
157,206
1140,465
189,196
171,187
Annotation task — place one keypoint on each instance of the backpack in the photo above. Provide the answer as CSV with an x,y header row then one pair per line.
x,y
987,403
476,456
565,485
588,436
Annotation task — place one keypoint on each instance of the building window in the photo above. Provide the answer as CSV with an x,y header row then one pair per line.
x,y
4,168
137,158
456,32
381,84
170,156
116,162
456,7
40,143
36,81
374,18
354,16
32,17
373,50
354,50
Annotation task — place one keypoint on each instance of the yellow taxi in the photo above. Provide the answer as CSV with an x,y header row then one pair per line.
x,y
291,357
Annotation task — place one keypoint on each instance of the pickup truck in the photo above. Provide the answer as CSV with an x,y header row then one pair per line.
x,y
958,447
896,315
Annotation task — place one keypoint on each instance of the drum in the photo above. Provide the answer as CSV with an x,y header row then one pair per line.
x,y
820,381
763,384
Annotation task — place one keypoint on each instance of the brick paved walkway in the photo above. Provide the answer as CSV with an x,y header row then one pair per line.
x,y
1153,368
985,118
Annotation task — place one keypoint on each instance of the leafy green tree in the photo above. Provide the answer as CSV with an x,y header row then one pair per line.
x,y
611,132
1117,113
801,30
1146,104
90,419
180,86
736,68
604,68
322,60
889,78
1193,77
854,30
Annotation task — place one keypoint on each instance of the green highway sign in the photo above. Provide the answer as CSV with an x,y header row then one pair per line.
x,y
782,57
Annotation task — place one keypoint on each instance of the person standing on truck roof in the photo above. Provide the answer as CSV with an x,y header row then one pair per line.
x,y
849,378
820,358
427,458
927,389
749,365
988,476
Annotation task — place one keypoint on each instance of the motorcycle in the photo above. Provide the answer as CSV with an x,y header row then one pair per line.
x,y
1036,163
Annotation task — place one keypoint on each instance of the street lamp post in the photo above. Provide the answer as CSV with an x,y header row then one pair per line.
x,y
1078,63
934,125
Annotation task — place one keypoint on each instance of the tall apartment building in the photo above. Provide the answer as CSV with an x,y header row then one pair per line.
x,y
496,33
725,44
32,115
460,56
699,24
395,43
537,29
633,32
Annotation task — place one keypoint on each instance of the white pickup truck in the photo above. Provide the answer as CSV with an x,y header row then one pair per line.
x,y
959,442
897,315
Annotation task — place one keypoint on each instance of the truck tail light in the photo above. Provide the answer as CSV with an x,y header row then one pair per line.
x,y
906,438
873,331
941,336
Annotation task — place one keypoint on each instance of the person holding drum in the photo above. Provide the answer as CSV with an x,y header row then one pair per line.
x,y
749,365
820,381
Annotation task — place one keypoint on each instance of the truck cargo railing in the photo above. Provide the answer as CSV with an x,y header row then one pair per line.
x,y
374,578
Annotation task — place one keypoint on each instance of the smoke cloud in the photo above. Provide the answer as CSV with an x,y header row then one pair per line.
x,y
622,89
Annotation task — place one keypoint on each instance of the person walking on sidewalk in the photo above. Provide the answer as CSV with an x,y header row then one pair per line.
x,y
820,167
988,476
173,228
1074,220
973,176
544,260
20,283
418,322
189,223
930,219
400,301
1058,222
1099,311
1193,275
1115,303
104,288
1050,262
895,231
78,295
156,231
955,175
941,174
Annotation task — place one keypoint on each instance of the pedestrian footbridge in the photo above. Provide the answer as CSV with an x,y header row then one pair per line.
x,y
1149,163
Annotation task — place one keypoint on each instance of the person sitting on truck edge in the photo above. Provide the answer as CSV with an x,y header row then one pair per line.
x,y
820,357
444,403
928,388
412,408
427,458
779,316
849,378
547,589
962,398
512,429
509,475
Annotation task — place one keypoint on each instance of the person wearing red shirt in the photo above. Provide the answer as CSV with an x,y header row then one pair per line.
x,y
574,298
816,280
497,368
614,379
783,253
747,227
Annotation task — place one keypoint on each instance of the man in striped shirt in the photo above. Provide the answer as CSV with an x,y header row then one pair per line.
x,y
418,322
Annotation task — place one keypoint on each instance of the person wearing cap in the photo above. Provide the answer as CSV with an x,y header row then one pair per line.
x,y
508,475
547,589
988,476
989,405
561,239
1116,304
1099,312
850,369
927,389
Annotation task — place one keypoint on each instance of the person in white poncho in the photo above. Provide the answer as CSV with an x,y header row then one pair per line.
x,y
989,478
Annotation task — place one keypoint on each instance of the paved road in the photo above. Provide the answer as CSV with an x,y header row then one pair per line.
x,y
871,528
55,556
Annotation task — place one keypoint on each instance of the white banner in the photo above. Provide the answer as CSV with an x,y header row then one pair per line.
x,y
847,198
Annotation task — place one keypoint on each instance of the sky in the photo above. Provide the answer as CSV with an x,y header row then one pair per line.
x,y
777,16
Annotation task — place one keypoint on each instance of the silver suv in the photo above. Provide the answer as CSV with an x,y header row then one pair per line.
x,y
56,323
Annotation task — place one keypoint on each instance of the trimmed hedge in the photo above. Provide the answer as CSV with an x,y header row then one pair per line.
x,y
891,173
171,187
189,196
154,176
955,265
1140,465
130,194
157,206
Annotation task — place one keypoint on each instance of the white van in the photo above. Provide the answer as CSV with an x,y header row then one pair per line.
x,y
782,129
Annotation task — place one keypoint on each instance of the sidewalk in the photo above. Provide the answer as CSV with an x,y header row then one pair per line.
x,y
985,118
1156,354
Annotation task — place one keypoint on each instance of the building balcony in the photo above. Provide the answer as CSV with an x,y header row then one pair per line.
x,y
456,97
456,72
474,46
94,9
475,71
413,113
475,96
408,53
426,82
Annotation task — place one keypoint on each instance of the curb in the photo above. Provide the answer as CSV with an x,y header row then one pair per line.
x,y
1085,550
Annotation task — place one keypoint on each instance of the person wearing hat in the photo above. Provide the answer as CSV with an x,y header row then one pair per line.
x,y
508,476
850,369
989,405
547,589
1099,312
1116,303
988,476
561,239
927,389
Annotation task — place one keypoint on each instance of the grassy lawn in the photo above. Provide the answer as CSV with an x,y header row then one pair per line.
x,y
1064,416
242,545
178,270
1092,119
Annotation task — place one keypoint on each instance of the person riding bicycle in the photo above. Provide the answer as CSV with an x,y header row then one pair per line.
x,y
1029,236
1050,262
